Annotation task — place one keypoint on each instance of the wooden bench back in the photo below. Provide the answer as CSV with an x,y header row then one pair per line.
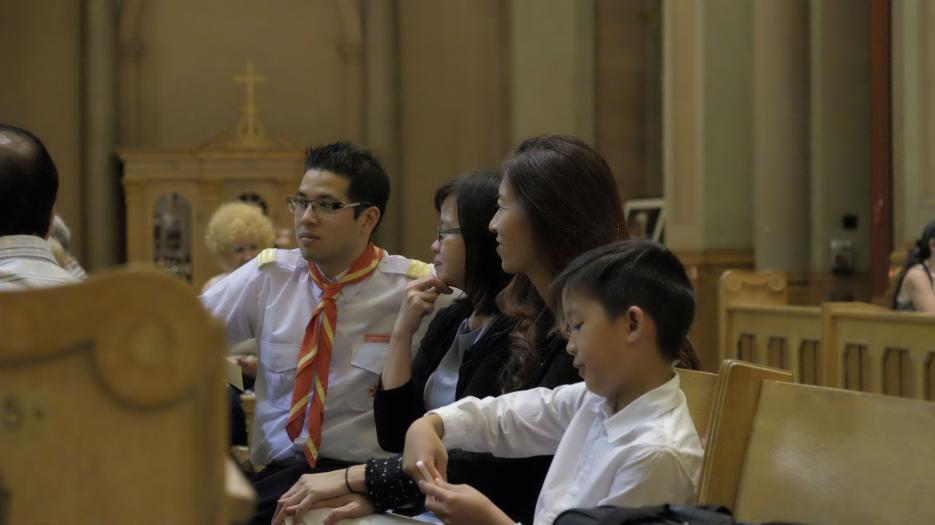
x,y
735,398
756,290
873,349
699,388
823,455
113,404
786,337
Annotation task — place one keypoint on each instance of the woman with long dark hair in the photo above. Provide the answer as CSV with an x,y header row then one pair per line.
x,y
558,199
915,286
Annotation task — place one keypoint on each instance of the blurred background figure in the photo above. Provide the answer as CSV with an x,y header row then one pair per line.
x,y
915,285
236,233
60,242
285,239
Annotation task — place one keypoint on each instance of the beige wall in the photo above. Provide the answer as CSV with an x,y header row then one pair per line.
x,y
628,84
40,69
438,88
553,68
453,102
190,51
913,117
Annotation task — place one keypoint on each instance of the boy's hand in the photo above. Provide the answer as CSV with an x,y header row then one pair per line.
x,y
423,443
421,295
461,504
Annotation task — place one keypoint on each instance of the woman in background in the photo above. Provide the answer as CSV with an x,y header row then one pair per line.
x,y
236,233
915,286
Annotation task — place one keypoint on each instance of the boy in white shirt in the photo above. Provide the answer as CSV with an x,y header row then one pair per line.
x,y
622,437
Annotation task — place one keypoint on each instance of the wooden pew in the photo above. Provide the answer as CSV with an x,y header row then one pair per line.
x,y
699,388
735,399
113,406
822,455
757,325
873,349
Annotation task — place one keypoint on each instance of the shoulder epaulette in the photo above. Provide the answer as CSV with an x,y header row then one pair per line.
x,y
418,269
266,256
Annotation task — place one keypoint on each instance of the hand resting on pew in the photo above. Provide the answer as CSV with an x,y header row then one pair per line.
x,y
326,490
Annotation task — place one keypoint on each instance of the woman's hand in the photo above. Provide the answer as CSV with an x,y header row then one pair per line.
x,y
461,504
312,489
421,295
345,507
423,443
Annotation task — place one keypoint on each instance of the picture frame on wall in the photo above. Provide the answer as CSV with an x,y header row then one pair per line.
x,y
645,218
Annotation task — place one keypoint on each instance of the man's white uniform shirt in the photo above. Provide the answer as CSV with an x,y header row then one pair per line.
x,y
648,453
271,299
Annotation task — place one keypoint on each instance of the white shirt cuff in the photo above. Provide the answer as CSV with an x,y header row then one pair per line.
x,y
455,423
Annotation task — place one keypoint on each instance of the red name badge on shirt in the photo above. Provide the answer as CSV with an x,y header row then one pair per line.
x,y
377,338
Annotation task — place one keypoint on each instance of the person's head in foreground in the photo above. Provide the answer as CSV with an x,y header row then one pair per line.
x,y
28,184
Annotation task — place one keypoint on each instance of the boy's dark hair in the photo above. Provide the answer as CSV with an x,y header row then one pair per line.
x,y
369,181
28,183
636,273
484,277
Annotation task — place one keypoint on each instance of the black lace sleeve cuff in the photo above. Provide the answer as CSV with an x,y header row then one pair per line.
x,y
388,487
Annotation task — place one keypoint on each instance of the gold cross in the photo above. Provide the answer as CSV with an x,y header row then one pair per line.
x,y
250,79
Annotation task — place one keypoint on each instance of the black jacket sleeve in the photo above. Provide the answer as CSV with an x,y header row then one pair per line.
x,y
395,409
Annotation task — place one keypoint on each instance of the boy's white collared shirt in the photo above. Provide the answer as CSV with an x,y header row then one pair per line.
x,y
646,454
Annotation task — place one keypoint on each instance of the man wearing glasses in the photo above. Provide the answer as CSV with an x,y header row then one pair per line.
x,y
323,315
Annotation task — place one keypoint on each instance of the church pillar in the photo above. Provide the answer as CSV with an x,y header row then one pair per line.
x,y
781,135
913,118
707,140
839,109
381,107
99,124
553,68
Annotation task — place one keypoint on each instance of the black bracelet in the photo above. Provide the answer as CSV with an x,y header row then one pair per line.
x,y
348,483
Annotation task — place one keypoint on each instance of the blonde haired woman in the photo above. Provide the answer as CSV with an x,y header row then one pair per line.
x,y
237,232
